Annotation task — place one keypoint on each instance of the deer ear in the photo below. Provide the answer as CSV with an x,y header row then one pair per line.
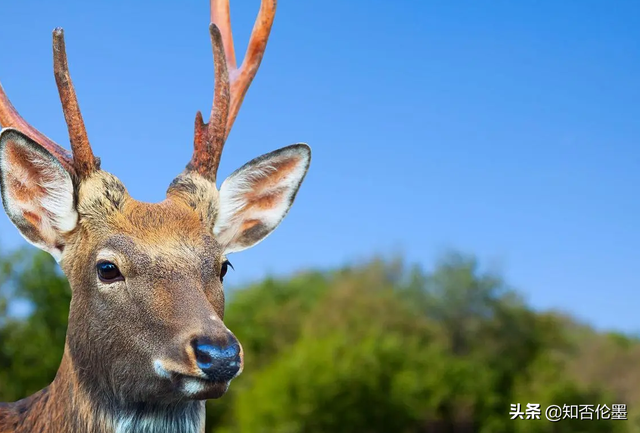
x,y
37,192
255,198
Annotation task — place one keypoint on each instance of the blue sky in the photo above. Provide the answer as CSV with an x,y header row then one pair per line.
x,y
505,129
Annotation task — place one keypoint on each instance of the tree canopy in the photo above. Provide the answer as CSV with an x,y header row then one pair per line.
x,y
375,348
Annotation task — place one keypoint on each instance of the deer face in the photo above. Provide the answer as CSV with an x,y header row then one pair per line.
x,y
146,318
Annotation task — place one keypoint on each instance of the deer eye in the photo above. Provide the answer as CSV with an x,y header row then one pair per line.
x,y
108,272
225,268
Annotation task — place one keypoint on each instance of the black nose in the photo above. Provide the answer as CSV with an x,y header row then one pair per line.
x,y
220,363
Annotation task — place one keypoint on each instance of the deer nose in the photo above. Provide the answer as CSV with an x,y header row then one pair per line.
x,y
220,362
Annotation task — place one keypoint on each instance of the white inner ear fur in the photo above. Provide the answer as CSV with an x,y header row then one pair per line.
x,y
35,183
259,194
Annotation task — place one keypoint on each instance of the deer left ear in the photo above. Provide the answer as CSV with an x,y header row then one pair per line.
x,y
255,198
37,192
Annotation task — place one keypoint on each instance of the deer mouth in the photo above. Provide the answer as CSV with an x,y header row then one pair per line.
x,y
201,387
198,388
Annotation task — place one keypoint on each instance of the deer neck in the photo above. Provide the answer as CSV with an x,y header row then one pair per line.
x,y
67,406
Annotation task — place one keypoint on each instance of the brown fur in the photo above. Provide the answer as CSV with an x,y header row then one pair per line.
x,y
172,294
129,362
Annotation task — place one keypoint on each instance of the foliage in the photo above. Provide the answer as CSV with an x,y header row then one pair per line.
x,y
31,350
369,348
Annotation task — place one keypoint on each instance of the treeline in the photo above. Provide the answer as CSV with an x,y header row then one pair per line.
x,y
374,348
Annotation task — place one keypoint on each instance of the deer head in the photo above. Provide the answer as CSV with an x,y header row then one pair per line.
x,y
146,317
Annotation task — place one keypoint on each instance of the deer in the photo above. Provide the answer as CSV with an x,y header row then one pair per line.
x,y
146,345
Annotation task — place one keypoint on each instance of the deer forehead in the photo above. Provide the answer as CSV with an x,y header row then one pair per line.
x,y
176,227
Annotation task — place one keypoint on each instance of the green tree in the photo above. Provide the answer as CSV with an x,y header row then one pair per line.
x,y
31,348
367,348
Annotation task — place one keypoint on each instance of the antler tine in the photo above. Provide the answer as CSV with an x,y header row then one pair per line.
x,y
83,159
242,77
231,83
221,17
209,138
10,118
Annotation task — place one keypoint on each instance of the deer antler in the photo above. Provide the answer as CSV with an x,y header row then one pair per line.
x,y
83,159
209,138
82,163
10,118
231,83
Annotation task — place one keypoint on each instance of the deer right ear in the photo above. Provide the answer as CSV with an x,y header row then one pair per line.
x,y
37,192
255,198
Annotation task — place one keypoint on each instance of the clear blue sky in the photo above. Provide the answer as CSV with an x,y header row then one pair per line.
x,y
505,129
